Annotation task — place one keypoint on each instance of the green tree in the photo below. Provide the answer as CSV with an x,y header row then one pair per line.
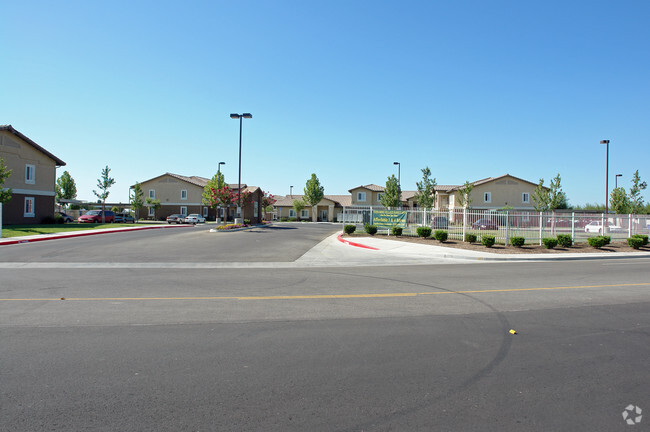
x,y
619,201
298,206
66,189
465,195
137,200
425,195
155,203
556,197
392,192
5,173
103,184
635,198
314,193
540,197
217,182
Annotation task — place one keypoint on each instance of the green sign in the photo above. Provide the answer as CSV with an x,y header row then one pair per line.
x,y
389,218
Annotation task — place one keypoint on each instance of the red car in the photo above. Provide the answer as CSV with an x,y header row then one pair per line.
x,y
95,216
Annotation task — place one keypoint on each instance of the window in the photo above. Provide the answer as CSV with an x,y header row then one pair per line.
x,y
30,174
256,209
184,194
222,212
380,196
292,213
304,214
525,198
487,197
152,212
152,193
205,212
184,210
29,207
361,196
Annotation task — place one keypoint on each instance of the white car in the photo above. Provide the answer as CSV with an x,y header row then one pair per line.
x,y
194,219
597,227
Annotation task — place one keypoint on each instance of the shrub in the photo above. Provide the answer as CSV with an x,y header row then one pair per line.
x,y
284,219
488,240
396,231
292,219
517,241
635,242
48,220
349,229
549,243
597,242
424,232
564,240
470,238
58,219
440,235
371,229
642,237
247,221
608,239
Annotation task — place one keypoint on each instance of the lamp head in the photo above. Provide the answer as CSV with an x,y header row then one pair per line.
x,y
604,142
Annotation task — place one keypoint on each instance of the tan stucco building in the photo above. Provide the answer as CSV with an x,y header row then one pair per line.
x,y
33,178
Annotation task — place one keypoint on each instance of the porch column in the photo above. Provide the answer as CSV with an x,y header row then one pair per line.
x,y
330,214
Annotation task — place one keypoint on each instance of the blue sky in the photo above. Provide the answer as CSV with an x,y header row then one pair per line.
x,y
471,89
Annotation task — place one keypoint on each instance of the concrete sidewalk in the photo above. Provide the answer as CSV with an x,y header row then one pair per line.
x,y
373,251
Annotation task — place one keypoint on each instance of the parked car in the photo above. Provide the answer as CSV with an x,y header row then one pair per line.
x,y
124,218
95,216
66,218
597,227
176,218
485,224
440,222
194,219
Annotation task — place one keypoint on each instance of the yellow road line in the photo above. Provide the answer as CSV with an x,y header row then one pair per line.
x,y
328,296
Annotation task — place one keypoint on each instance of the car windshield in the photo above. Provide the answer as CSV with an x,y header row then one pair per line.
x,y
93,212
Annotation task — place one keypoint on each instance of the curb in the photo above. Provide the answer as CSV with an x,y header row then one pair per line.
x,y
524,258
20,240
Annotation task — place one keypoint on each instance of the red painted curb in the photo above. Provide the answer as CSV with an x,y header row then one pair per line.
x,y
83,234
355,244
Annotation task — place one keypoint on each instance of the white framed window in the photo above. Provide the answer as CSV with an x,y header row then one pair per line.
x,y
525,197
205,212
152,193
222,212
29,207
30,174
152,212
292,213
256,209
380,196
361,196
184,210
184,194
304,214
487,197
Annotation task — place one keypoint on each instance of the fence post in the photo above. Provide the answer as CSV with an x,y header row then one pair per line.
x,y
507,227
629,225
540,228
602,224
464,222
573,226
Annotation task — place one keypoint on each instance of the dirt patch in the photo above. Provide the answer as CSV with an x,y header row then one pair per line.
x,y
614,247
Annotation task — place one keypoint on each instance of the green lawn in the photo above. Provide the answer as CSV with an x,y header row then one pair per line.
x,y
27,230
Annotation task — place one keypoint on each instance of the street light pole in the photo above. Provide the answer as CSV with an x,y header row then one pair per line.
x,y
219,169
616,180
240,117
399,168
606,142
291,191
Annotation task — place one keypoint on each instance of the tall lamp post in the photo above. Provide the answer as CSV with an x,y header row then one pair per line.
x,y
291,191
240,117
399,168
616,180
606,142
219,169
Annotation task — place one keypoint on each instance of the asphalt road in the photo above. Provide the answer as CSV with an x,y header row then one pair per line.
x,y
408,348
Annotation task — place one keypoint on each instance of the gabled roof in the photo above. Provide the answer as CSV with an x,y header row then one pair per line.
x,y
10,129
200,181
287,201
371,187
491,179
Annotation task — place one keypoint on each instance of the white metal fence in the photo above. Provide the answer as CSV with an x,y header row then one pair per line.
x,y
505,224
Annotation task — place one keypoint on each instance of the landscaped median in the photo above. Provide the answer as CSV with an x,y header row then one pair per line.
x,y
36,233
